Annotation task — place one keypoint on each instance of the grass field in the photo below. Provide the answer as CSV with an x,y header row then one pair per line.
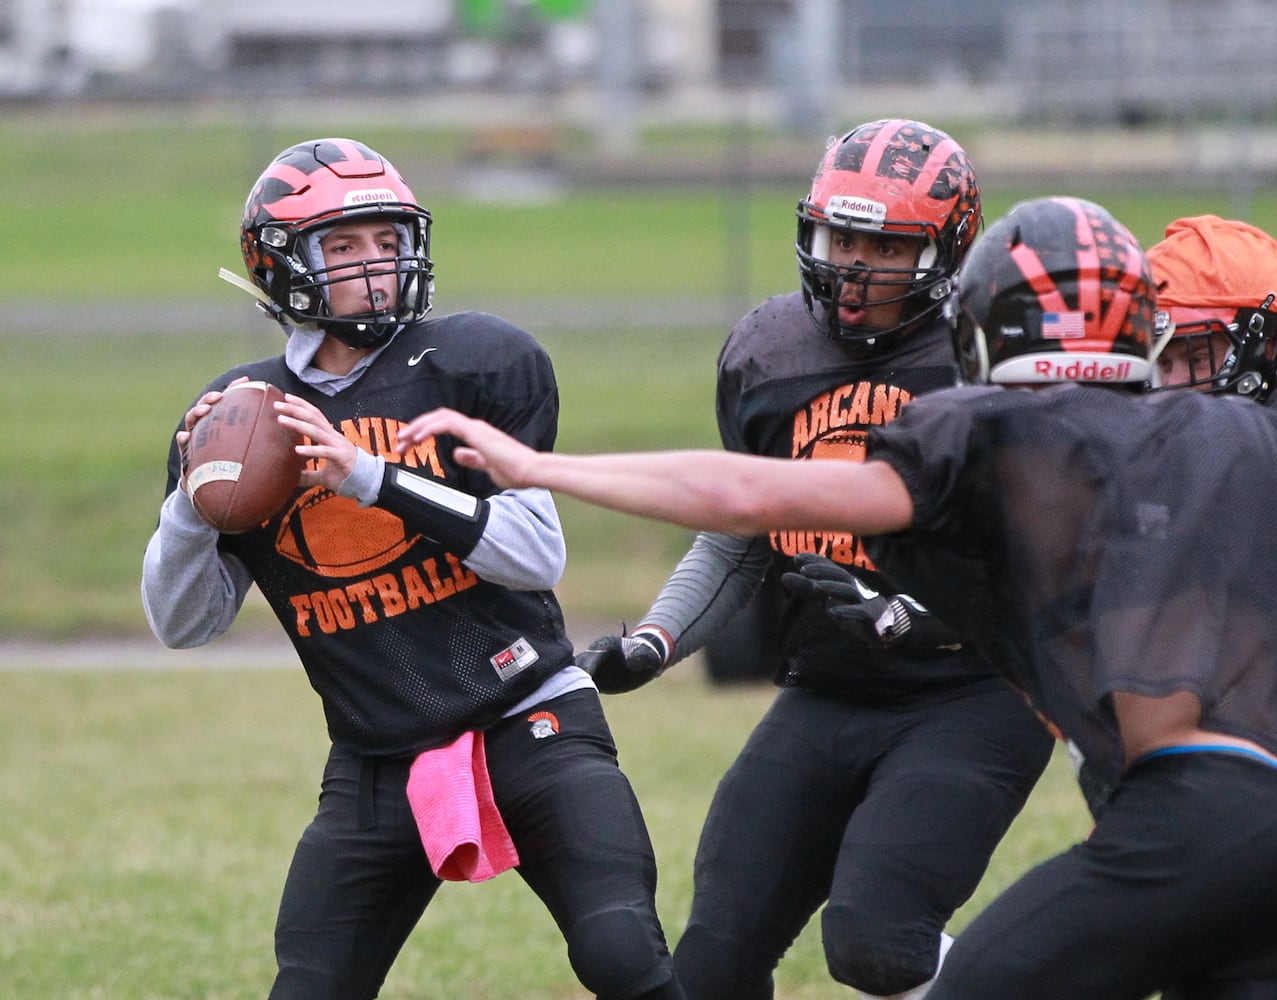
x,y
149,815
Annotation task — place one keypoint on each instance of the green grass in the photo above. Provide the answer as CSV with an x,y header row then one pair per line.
x,y
141,207
119,210
150,816
140,212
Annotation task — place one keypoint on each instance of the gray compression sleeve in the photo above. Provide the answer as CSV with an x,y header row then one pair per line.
x,y
710,584
191,591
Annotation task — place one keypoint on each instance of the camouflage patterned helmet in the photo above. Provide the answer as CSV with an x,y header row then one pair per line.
x,y
306,190
894,177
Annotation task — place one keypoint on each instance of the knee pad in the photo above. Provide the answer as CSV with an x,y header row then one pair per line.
x,y
619,954
875,956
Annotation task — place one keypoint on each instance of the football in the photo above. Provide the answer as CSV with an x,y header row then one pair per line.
x,y
242,466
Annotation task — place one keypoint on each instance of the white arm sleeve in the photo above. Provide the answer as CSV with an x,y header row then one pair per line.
x,y
191,592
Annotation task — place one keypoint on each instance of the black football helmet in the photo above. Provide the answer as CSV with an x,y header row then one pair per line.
x,y
307,189
1055,291
895,177
1216,286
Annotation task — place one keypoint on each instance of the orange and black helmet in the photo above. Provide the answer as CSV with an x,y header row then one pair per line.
x,y
894,177
309,188
1055,291
1216,285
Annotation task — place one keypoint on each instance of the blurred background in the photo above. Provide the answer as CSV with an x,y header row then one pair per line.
x,y
614,64
542,99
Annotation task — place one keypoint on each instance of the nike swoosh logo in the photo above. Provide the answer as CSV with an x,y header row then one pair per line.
x,y
416,358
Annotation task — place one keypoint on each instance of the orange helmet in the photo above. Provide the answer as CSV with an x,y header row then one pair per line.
x,y
308,188
892,176
1216,283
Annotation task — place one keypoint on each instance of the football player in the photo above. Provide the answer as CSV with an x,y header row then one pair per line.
x,y
892,761
1109,550
418,598
1217,282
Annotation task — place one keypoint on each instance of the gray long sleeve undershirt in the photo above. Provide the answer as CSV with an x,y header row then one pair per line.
x,y
714,580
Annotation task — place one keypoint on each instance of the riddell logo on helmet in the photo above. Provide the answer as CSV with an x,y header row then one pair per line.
x,y
1082,371
369,196
1069,366
860,209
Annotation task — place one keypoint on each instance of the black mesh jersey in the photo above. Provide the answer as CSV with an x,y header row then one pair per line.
x,y
787,390
406,646
1094,541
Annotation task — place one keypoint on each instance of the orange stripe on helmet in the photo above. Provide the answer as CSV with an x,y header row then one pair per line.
x,y
1037,277
1088,275
1116,319
876,148
891,135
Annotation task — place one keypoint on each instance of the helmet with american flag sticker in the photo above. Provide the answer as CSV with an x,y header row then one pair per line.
x,y
1055,291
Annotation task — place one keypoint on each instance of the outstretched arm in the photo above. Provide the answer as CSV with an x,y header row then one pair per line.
x,y
512,538
705,490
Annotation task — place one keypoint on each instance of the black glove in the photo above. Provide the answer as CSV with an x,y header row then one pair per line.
x,y
890,621
620,663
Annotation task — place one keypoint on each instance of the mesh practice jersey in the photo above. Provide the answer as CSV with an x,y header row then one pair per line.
x,y
787,390
1093,541
407,646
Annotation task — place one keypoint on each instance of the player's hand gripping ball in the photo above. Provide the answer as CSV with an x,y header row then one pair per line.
x,y
242,464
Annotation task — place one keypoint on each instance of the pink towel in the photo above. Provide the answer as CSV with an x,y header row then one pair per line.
x,y
451,798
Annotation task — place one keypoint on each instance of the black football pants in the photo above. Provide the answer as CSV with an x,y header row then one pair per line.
x,y
887,815
1175,889
360,880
